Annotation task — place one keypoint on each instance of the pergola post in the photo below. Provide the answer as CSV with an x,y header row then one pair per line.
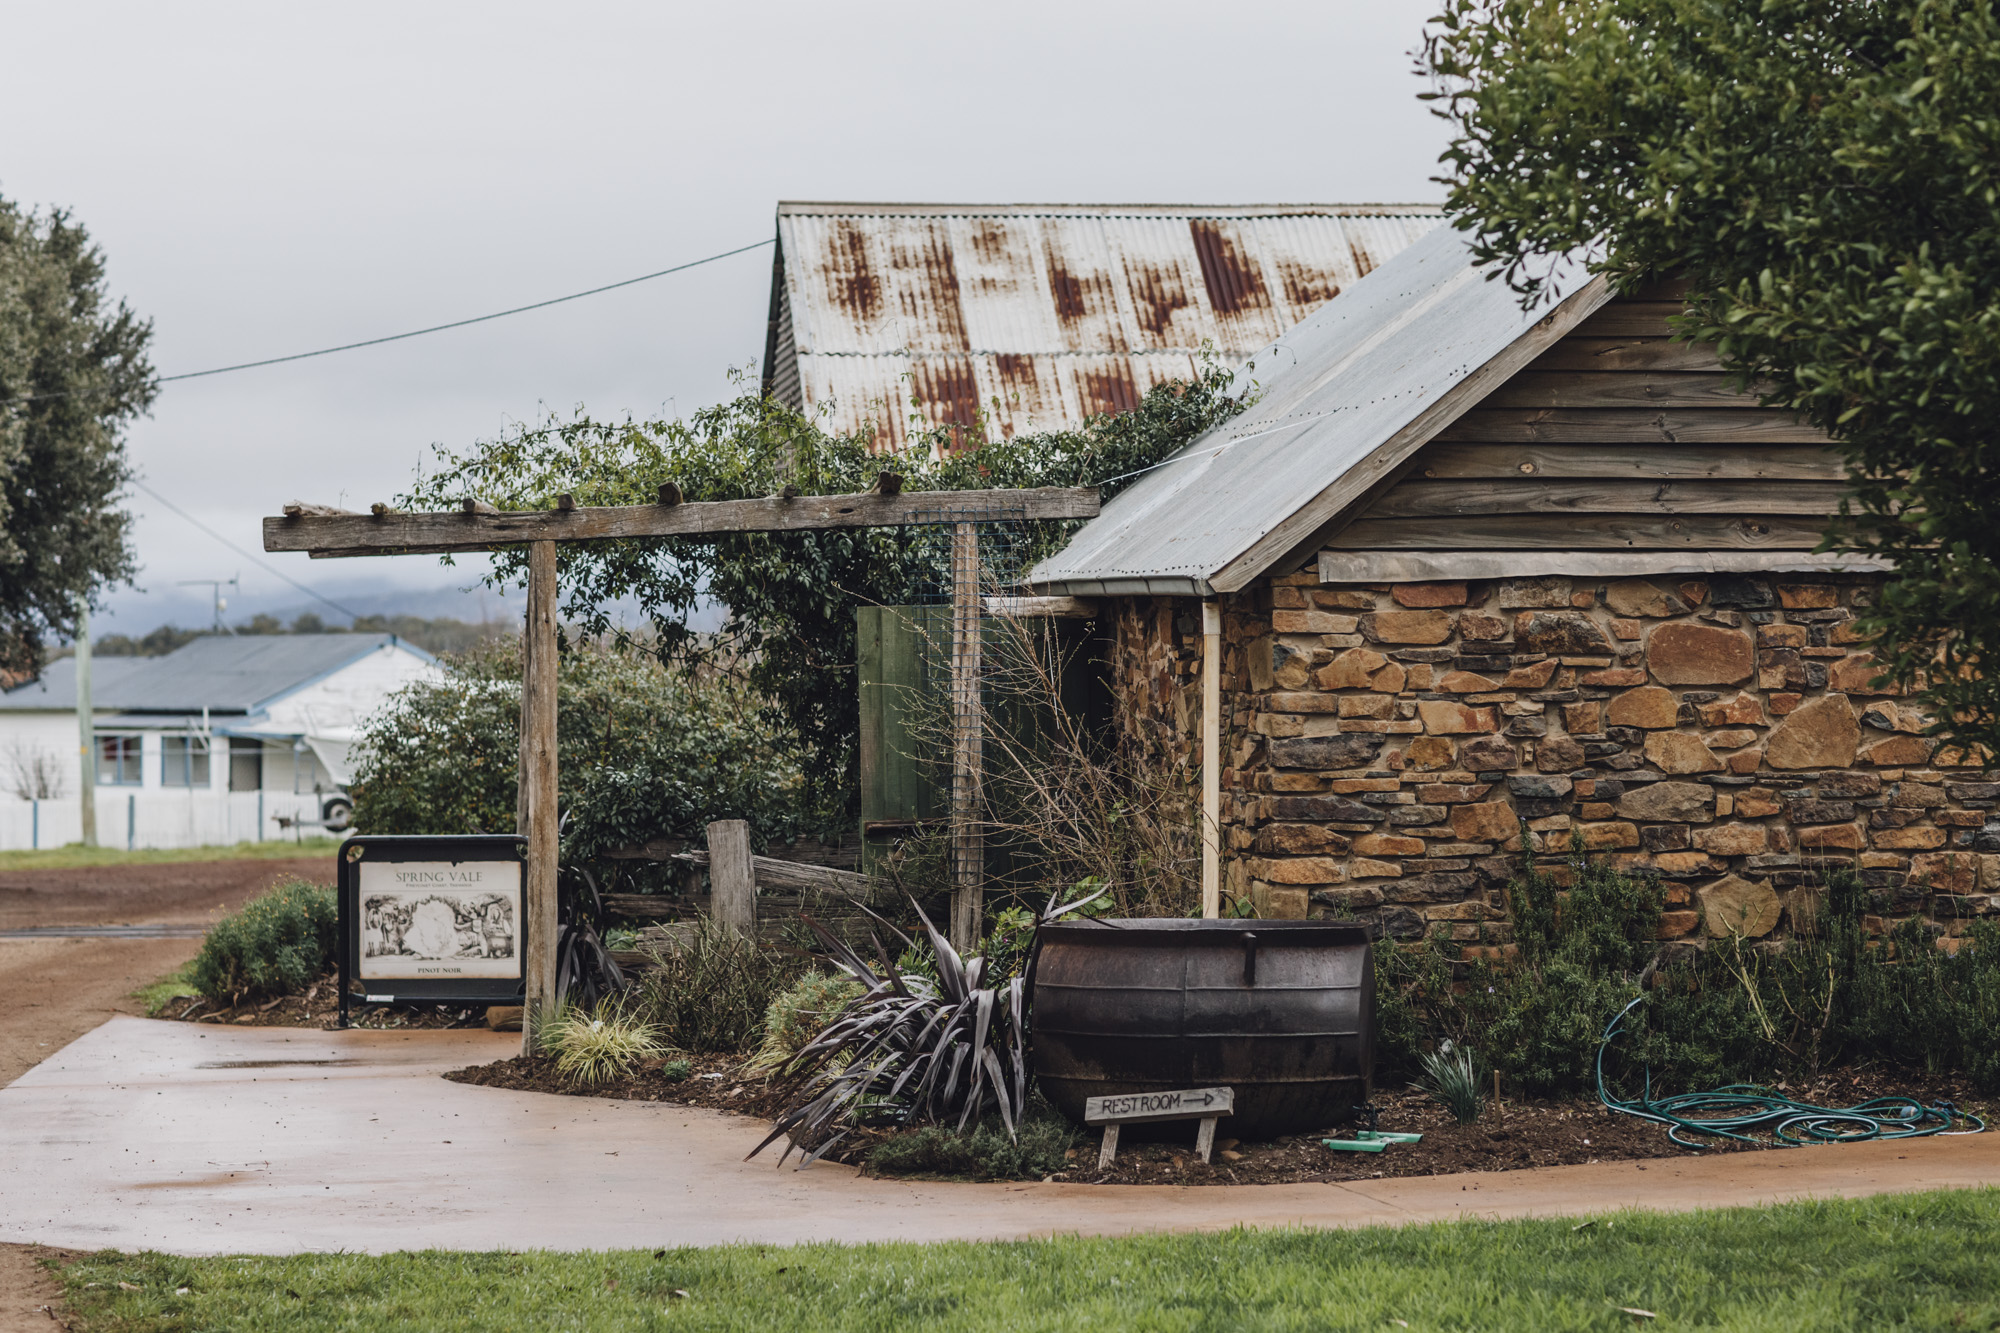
x,y
968,741
537,807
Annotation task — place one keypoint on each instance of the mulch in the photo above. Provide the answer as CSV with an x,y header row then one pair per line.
x,y
318,1007
1513,1135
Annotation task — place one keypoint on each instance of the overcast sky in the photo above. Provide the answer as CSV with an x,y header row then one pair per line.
x,y
268,179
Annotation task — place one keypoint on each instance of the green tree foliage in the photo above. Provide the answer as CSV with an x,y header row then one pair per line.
x,y
73,371
642,753
1825,175
791,596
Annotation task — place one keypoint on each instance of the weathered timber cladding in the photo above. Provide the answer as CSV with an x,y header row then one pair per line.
x,y
1613,438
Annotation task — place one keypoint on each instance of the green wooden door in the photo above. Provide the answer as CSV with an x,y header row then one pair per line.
x,y
902,783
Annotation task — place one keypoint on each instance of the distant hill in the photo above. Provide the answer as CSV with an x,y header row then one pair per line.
x,y
440,635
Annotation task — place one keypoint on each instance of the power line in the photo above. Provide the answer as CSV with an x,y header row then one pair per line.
x,y
418,333
247,555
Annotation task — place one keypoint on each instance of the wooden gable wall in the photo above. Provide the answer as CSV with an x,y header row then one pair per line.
x,y
1615,438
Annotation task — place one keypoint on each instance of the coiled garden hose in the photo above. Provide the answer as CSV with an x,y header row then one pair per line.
x,y
1745,1109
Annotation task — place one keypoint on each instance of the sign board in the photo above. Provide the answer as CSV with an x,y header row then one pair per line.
x,y
1138,1107
432,920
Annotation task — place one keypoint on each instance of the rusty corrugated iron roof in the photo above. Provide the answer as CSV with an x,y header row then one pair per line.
x,y
1039,315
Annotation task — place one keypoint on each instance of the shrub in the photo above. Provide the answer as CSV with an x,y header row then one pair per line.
x,y
277,944
1453,1078
643,753
799,1013
984,1151
592,1046
1731,1012
711,993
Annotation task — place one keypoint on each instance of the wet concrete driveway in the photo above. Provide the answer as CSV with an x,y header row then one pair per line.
x,y
200,1140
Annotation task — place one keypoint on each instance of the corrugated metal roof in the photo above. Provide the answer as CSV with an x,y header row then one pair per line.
x,y
1342,398
1042,314
222,673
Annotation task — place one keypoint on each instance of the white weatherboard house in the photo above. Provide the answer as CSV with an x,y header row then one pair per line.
x,y
214,743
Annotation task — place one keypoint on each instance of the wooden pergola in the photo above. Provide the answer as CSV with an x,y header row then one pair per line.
x,y
328,533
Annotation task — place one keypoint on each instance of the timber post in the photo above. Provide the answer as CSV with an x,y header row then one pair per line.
x,y
968,842
538,787
1211,760
732,877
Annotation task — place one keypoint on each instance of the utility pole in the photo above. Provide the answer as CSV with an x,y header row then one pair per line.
x,y
86,729
215,587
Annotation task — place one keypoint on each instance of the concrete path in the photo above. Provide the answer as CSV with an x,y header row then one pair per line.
x,y
202,1140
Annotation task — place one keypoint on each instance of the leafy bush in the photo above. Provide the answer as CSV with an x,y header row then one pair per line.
x,y
677,1071
712,991
799,1014
592,1046
1731,1012
276,945
985,1151
642,753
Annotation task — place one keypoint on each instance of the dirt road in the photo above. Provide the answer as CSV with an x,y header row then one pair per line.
x,y
57,989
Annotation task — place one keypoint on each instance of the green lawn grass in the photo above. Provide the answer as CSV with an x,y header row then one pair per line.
x,y
163,992
1894,1261
76,854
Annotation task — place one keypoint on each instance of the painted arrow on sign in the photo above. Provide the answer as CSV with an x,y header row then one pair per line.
x,y
1135,1107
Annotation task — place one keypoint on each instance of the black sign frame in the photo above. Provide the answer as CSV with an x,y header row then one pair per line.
x,y
454,992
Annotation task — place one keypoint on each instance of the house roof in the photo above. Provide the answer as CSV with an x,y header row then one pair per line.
x,y
1041,315
1338,402
220,673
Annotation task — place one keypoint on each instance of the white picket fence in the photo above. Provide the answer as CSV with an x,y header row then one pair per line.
x,y
159,819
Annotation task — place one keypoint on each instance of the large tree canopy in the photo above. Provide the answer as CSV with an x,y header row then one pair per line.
x,y
791,596
73,371
1825,174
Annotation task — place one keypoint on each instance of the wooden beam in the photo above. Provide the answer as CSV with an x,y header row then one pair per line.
x,y
1450,566
538,788
1028,608
1618,388
1654,354
1567,532
412,534
1617,425
795,876
1524,495
1681,462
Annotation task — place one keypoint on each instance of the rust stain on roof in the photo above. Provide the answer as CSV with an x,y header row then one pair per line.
x,y
1038,316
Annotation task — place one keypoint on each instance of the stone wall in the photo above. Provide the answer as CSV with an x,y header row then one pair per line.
x,y
1384,743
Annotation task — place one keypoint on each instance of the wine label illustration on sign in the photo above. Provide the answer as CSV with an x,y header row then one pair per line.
x,y
434,919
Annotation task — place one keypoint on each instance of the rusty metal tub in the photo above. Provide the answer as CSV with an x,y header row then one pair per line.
x,y
1281,1011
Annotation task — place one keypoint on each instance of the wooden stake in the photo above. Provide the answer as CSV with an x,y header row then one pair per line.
x,y
732,877
967,740
537,800
1211,759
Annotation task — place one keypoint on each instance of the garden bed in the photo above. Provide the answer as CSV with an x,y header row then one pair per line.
x,y
318,1007
1517,1134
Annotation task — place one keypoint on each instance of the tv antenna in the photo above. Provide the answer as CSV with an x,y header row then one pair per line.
x,y
215,586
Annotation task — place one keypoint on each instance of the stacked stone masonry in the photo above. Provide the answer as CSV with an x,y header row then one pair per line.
x,y
1385,745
